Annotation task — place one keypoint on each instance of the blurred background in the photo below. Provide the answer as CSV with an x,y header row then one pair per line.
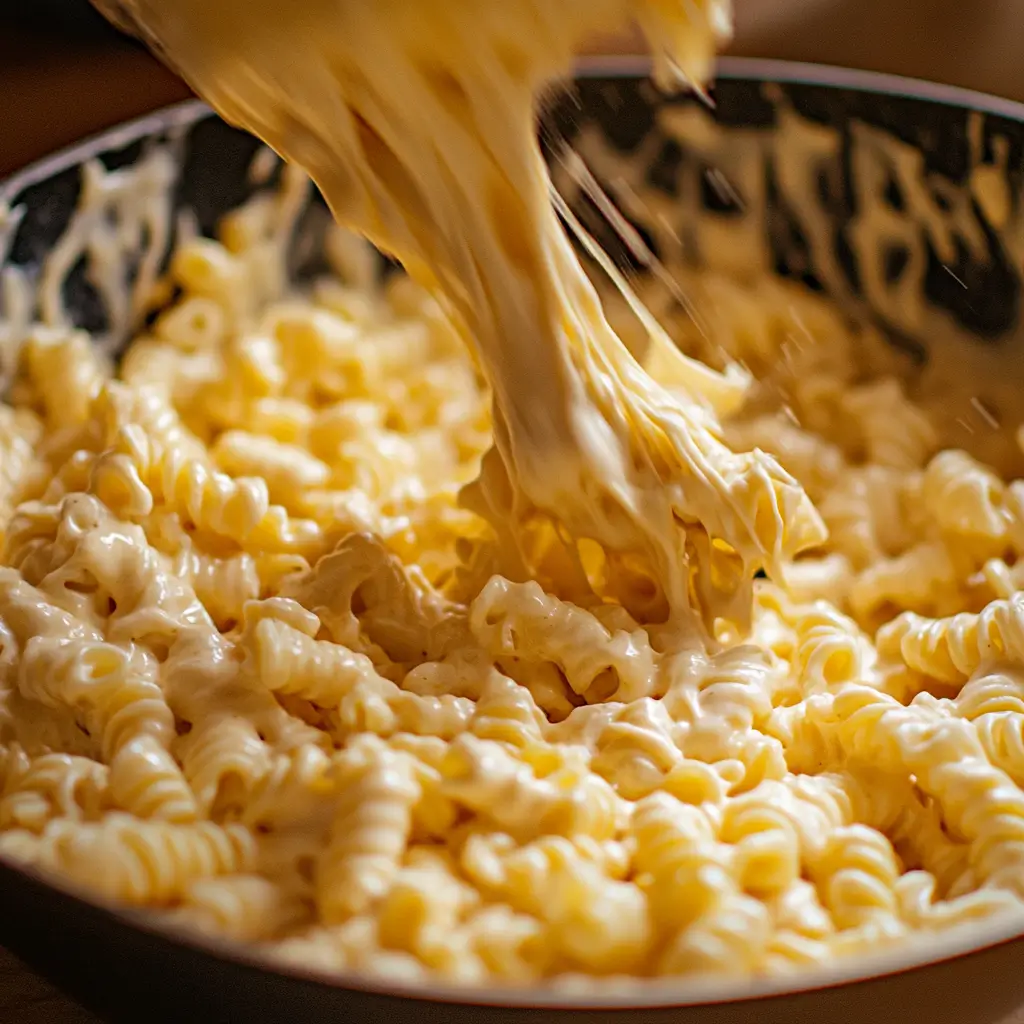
x,y
65,74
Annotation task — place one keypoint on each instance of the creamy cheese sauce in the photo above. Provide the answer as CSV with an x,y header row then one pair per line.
x,y
417,122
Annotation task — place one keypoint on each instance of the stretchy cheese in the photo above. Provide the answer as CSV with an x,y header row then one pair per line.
x,y
417,120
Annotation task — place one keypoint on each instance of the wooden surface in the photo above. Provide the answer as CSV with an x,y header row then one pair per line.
x,y
54,92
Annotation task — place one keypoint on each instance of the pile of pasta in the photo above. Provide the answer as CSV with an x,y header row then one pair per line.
x,y
256,673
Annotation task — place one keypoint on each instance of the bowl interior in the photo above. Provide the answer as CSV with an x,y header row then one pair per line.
x,y
903,203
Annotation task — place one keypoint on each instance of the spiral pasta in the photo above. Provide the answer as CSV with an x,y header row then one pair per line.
x,y
37,790
150,863
272,666
510,620
368,836
245,908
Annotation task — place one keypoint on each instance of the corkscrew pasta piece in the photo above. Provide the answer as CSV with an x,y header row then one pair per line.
x,y
40,789
734,698
994,701
26,613
920,907
287,469
508,713
368,836
223,585
979,802
223,758
679,860
511,946
124,710
119,405
952,649
868,514
967,501
765,844
894,432
894,807
282,419
489,780
729,939
856,874
288,661
245,908
195,324
22,474
137,473
143,862
831,650
636,751
802,923
596,922
208,269
511,620
925,579
353,946
422,914
816,463
736,690
322,353
64,369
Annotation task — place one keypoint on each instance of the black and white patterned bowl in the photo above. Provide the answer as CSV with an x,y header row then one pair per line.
x,y
902,201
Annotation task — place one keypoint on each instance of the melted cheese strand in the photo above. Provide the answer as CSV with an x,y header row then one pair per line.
x,y
417,122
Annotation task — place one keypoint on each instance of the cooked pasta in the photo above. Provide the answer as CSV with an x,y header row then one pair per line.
x,y
328,737
324,631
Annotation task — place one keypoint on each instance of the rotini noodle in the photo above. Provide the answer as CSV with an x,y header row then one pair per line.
x,y
320,634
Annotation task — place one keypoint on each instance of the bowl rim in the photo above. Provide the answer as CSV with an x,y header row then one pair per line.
x,y
917,953
188,112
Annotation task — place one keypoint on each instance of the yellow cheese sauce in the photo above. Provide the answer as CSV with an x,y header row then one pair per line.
x,y
417,122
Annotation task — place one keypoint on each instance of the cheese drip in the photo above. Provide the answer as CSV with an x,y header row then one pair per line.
x,y
417,121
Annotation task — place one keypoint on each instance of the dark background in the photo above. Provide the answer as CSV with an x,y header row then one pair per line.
x,y
64,74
